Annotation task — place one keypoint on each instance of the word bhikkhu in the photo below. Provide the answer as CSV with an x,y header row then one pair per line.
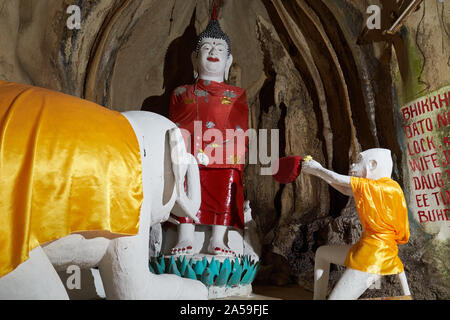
x,y
426,105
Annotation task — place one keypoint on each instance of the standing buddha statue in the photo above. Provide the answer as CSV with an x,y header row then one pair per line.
x,y
212,107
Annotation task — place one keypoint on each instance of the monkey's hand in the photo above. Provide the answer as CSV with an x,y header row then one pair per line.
x,y
311,167
337,181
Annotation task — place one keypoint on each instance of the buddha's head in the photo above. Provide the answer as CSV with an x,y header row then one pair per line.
x,y
212,58
373,164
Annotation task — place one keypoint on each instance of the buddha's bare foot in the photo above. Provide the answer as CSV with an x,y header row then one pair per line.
x,y
186,240
183,248
220,249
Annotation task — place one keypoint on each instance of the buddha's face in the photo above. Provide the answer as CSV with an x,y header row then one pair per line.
x,y
213,57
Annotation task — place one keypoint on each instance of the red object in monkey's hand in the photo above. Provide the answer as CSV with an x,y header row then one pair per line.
x,y
289,168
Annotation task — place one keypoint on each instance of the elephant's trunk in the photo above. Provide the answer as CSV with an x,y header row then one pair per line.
x,y
184,165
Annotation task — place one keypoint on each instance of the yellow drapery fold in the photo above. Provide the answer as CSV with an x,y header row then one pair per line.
x,y
383,214
66,165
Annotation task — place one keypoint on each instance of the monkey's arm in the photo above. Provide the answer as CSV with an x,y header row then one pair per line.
x,y
340,182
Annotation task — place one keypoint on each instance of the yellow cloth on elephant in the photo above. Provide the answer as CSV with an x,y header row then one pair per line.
x,y
66,165
383,214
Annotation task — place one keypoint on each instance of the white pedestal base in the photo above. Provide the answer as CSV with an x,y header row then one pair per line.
x,y
225,292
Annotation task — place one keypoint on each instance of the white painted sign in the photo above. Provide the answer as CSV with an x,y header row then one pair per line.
x,y
426,128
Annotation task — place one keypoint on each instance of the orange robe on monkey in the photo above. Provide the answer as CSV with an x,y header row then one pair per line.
x,y
383,213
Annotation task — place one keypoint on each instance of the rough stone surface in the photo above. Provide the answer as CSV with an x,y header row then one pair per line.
x,y
309,71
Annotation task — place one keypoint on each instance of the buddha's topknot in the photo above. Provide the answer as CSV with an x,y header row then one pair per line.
x,y
214,31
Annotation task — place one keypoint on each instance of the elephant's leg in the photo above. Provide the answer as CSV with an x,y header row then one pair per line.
x,y
126,276
75,249
171,287
186,240
35,279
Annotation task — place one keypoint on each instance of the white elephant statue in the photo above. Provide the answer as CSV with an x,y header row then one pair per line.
x,y
122,260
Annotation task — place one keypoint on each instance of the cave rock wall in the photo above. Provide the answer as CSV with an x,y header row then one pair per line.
x,y
308,73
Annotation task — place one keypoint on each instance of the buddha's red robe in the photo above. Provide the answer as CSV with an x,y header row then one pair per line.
x,y
214,120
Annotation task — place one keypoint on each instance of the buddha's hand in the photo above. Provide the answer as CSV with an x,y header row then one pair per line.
x,y
311,167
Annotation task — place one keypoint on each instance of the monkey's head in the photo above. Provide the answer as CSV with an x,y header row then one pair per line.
x,y
373,164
